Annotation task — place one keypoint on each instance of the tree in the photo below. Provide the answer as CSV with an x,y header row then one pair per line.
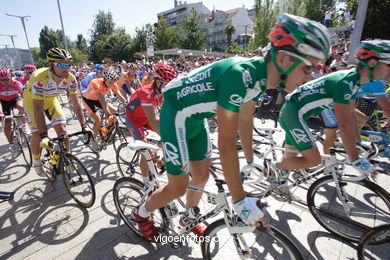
x,y
190,32
234,48
48,39
295,7
164,37
229,31
116,47
139,43
265,19
103,25
377,23
81,43
315,9
78,56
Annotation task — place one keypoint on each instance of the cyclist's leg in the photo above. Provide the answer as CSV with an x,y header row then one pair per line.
x,y
7,106
330,124
361,117
57,116
19,107
111,108
92,112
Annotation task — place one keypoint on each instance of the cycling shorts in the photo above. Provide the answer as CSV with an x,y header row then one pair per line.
x,y
127,89
52,109
91,105
297,132
184,139
9,105
136,128
329,119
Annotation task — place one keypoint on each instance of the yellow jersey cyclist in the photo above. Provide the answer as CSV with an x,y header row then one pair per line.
x,y
40,97
336,90
93,97
224,88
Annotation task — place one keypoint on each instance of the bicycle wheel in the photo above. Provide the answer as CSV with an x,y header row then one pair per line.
x,y
369,248
264,118
122,115
261,244
120,136
128,193
24,147
369,207
78,181
127,161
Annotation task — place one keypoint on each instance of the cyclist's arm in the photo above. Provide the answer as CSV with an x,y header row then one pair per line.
x,y
227,133
103,103
119,95
384,102
151,116
348,128
39,117
73,98
245,128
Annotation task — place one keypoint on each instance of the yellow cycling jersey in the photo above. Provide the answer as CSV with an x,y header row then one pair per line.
x,y
42,86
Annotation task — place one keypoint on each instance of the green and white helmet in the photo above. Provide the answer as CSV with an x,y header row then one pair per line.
x,y
379,49
307,37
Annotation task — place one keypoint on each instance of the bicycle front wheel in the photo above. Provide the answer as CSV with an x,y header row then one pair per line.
x,y
127,161
367,205
370,248
78,181
260,244
24,146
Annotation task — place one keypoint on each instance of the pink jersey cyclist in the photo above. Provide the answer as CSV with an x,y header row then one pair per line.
x,y
12,91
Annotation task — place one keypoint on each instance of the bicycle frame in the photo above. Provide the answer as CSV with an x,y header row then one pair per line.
x,y
378,137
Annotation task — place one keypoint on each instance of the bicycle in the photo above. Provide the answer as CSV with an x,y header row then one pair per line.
x,y
268,116
77,180
345,198
240,239
375,243
20,139
112,132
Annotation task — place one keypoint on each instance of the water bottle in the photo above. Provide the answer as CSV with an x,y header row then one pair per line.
x,y
172,209
190,214
54,155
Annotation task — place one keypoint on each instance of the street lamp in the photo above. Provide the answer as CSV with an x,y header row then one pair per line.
x,y
62,25
16,52
25,32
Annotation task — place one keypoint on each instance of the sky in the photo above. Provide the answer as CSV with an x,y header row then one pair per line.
x,y
78,16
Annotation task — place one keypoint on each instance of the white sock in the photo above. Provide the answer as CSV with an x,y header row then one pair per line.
x,y
145,179
143,212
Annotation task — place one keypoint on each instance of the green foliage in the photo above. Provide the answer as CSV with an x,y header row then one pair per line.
x,y
377,22
81,43
39,61
164,37
295,7
234,48
79,57
116,47
48,39
266,16
229,30
190,32
315,9
139,43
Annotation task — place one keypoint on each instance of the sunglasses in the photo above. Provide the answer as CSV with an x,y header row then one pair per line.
x,y
309,65
63,65
5,79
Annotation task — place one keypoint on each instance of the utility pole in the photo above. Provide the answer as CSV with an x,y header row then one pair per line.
x,y
16,52
25,33
62,25
357,32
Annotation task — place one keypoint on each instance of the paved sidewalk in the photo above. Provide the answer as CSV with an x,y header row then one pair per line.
x,y
43,222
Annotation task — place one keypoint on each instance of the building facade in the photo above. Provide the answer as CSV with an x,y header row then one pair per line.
x,y
14,58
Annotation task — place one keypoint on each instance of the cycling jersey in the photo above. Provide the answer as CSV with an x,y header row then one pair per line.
x,y
12,91
190,100
97,86
144,96
42,87
85,82
23,79
126,78
311,99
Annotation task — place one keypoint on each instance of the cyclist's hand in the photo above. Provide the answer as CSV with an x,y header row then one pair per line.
x,y
86,130
45,143
365,167
249,212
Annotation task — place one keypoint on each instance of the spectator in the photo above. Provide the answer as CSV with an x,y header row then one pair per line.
x,y
338,59
328,18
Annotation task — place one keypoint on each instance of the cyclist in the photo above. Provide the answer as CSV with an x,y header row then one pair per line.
x,y
40,97
93,97
91,76
10,97
28,69
140,111
126,81
225,88
336,90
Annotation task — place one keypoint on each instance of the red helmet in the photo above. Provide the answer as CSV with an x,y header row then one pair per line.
x,y
165,72
30,68
5,73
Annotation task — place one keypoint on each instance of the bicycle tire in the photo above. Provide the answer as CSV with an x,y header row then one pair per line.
x,y
121,110
78,176
265,118
260,237
119,137
368,246
24,147
127,161
332,215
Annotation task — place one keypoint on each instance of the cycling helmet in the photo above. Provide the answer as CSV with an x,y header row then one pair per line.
x,y
375,49
5,73
165,72
58,54
30,68
307,37
99,67
110,74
